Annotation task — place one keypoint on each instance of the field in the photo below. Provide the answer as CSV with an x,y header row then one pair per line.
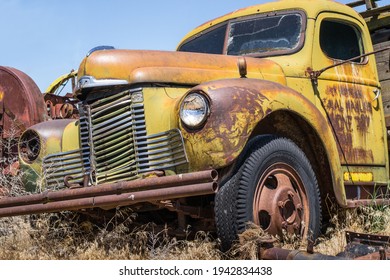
x,y
128,235
67,236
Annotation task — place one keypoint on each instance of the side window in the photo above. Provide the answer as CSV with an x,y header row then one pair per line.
x,y
211,42
340,41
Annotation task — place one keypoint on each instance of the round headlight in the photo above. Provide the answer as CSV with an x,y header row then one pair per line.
x,y
194,110
29,146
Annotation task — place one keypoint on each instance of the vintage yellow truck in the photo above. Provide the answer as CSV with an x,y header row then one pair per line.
x,y
263,115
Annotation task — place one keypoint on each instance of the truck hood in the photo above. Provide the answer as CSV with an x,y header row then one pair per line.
x,y
133,66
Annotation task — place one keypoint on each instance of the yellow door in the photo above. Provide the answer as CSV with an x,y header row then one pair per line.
x,y
347,94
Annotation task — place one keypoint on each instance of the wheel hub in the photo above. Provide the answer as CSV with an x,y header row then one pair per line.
x,y
279,201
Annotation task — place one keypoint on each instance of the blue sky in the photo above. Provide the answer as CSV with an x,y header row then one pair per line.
x,y
46,39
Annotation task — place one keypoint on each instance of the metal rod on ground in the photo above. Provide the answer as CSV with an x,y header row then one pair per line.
x,y
284,254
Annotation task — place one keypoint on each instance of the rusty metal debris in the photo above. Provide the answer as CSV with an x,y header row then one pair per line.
x,y
364,246
112,195
359,246
61,107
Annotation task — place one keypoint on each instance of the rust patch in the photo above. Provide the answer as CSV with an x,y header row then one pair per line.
x,y
237,106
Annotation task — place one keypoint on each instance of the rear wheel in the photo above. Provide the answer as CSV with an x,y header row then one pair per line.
x,y
276,188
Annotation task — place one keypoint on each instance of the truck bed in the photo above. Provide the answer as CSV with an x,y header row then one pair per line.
x,y
383,66
378,21
381,40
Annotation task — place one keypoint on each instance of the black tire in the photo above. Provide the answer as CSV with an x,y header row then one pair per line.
x,y
276,188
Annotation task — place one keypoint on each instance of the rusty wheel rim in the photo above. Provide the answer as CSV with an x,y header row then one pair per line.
x,y
280,201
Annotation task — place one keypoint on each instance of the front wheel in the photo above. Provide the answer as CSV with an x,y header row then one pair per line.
x,y
275,188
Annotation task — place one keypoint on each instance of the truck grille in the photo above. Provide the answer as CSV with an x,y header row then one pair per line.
x,y
115,145
58,166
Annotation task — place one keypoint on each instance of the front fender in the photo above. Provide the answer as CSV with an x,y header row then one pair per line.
x,y
237,107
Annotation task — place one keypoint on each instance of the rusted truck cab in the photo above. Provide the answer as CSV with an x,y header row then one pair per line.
x,y
280,100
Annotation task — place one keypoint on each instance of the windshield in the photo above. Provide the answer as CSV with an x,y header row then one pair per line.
x,y
265,34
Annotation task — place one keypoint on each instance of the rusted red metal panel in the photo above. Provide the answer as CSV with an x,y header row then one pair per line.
x,y
22,102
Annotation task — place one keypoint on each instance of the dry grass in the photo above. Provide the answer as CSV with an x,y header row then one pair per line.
x,y
63,236
370,219
67,236
10,176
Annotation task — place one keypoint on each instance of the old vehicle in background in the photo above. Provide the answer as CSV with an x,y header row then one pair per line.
x,y
261,115
22,105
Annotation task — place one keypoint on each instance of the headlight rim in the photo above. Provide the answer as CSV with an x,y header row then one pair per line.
x,y
206,101
25,151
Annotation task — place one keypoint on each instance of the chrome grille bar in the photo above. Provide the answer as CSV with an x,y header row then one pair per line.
x,y
57,166
113,121
163,151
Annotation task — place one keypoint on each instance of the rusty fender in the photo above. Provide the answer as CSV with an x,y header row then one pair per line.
x,y
237,106
112,195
